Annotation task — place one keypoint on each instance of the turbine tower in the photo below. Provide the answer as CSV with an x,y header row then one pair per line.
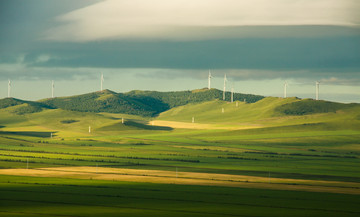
x,y
52,88
317,83
232,93
285,89
225,80
9,88
101,81
209,80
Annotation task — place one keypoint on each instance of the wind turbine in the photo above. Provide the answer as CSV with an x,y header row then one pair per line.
x,y
52,88
232,92
317,84
101,81
285,89
225,80
209,80
9,88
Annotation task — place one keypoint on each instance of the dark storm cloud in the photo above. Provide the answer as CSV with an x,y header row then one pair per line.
x,y
319,54
269,57
21,72
262,52
23,22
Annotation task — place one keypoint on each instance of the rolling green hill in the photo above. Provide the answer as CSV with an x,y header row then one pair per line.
x,y
272,156
217,111
21,107
144,103
101,101
8,102
310,106
103,110
269,112
179,98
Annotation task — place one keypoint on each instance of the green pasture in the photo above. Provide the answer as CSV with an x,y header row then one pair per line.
x,y
71,197
331,155
319,146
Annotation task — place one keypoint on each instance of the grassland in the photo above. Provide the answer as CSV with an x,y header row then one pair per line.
x,y
250,160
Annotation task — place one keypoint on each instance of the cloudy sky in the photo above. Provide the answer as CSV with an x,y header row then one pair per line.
x,y
171,45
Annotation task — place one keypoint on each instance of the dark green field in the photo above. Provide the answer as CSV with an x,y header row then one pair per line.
x,y
71,197
285,157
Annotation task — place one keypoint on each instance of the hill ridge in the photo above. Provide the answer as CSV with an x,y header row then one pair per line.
x,y
152,103
139,102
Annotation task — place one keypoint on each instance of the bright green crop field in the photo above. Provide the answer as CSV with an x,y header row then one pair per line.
x,y
278,165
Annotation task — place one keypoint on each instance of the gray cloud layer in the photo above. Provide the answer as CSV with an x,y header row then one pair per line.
x,y
197,19
261,51
318,54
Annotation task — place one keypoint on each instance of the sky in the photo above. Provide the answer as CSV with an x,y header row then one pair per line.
x,y
167,45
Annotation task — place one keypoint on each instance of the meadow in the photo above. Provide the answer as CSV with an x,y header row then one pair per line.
x,y
250,160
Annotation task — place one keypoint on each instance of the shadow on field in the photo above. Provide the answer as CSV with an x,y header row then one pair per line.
x,y
146,127
133,125
28,133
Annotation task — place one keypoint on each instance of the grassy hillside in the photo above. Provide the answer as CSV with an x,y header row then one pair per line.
x,y
77,113
145,103
219,111
102,101
266,113
65,124
178,98
310,106
8,102
291,161
269,112
21,107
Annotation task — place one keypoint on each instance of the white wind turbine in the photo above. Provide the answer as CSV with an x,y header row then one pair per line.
x,y
52,88
209,80
232,92
225,80
101,81
9,88
285,89
317,85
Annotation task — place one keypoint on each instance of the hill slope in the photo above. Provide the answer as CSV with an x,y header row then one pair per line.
x,y
179,98
268,112
21,107
310,106
80,112
145,103
101,101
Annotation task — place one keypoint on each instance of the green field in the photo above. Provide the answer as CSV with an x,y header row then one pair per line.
x,y
273,157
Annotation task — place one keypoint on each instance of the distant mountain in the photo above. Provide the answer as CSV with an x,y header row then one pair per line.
x,y
145,103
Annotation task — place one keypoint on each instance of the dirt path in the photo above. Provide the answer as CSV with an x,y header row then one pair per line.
x,y
188,178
